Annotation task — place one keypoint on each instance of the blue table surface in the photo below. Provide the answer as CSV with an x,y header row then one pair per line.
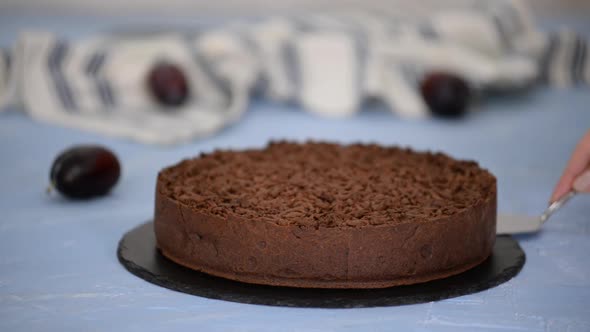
x,y
59,270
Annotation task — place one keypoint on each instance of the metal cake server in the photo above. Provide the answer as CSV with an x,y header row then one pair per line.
x,y
517,224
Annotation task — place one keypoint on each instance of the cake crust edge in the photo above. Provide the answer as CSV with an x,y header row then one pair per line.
x,y
263,252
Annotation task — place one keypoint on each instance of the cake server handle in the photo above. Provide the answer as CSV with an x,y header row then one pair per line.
x,y
557,205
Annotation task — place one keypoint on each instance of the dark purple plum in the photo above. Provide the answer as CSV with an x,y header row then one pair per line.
x,y
85,171
168,84
447,95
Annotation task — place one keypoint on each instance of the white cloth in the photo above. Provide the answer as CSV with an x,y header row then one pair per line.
x,y
326,63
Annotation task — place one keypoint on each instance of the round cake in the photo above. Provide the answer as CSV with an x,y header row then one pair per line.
x,y
322,215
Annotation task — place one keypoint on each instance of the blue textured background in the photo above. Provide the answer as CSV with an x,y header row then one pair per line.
x,y
58,265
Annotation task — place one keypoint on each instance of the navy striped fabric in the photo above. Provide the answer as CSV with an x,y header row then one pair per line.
x,y
573,68
427,31
547,58
7,57
55,63
103,87
505,21
228,63
579,60
292,66
218,82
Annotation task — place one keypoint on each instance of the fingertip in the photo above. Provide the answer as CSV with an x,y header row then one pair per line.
x,y
552,198
560,189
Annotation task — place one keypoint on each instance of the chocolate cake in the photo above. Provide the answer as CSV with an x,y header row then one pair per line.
x,y
323,215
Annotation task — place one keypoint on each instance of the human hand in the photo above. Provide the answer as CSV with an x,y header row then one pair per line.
x,y
576,175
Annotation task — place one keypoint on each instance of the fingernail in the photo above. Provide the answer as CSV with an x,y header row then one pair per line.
x,y
582,182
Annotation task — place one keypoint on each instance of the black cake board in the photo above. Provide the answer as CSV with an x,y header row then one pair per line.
x,y
138,253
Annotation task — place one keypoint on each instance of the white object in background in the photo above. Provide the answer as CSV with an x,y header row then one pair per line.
x,y
474,29
329,73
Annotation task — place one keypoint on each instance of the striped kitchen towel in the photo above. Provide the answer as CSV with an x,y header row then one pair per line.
x,y
327,63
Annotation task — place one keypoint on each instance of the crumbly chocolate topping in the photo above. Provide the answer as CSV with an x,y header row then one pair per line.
x,y
327,185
